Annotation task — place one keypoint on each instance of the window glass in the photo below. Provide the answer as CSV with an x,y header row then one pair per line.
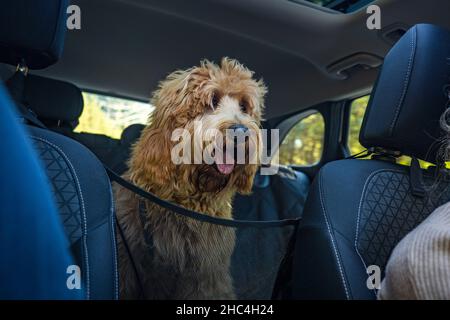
x,y
303,145
110,115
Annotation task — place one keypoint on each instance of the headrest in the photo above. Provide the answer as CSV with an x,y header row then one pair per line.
x,y
131,133
33,31
53,100
410,95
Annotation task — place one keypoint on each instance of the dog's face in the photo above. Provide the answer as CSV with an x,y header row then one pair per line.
x,y
220,108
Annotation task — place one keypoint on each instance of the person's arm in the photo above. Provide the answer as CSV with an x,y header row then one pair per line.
x,y
397,283
419,267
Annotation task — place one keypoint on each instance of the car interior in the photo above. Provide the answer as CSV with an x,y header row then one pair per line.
x,y
335,89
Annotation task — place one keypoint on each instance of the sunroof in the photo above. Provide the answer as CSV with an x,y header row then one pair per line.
x,y
344,6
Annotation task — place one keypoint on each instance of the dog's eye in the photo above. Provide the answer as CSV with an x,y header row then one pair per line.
x,y
214,101
244,106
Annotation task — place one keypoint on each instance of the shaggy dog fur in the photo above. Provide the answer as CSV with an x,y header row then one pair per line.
x,y
188,259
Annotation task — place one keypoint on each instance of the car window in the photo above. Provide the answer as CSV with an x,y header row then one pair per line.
x,y
108,115
303,145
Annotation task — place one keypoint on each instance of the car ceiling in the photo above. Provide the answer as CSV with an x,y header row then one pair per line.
x,y
126,46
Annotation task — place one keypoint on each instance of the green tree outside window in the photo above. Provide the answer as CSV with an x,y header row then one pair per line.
x,y
303,145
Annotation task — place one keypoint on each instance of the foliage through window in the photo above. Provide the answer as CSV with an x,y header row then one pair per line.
x,y
303,145
110,115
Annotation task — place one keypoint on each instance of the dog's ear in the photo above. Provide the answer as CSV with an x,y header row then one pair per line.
x,y
150,162
175,101
172,92
261,94
181,93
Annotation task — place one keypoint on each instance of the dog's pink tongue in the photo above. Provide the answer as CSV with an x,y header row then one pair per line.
x,y
225,168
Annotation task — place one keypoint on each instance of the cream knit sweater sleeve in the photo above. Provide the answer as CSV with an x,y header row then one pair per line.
x,y
419,267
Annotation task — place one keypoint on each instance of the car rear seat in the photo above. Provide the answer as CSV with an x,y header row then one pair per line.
x,y
80,184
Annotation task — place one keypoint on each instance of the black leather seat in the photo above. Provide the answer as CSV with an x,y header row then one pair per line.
x,y
280,196
81,187
358,210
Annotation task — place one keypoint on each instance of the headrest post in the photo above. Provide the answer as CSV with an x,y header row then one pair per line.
x,y
22,68
16,86
379,153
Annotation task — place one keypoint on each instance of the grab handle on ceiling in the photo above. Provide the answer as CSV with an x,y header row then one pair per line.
x,y
341,70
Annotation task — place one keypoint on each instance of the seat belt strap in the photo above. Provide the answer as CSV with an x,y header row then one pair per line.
x,y
196,215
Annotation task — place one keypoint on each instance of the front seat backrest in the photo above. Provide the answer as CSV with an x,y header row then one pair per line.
x,y
358,210
80,185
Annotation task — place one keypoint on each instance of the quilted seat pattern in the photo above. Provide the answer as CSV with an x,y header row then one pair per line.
x,y
64,189
388,212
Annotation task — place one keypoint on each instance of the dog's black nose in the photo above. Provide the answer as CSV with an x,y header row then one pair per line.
x,y
239,133
238,129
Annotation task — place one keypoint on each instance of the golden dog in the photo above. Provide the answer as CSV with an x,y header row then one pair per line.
x,y
186,258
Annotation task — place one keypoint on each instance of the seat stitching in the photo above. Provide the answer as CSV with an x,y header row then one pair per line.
x,y
332,238
406,81
113,234
82,207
